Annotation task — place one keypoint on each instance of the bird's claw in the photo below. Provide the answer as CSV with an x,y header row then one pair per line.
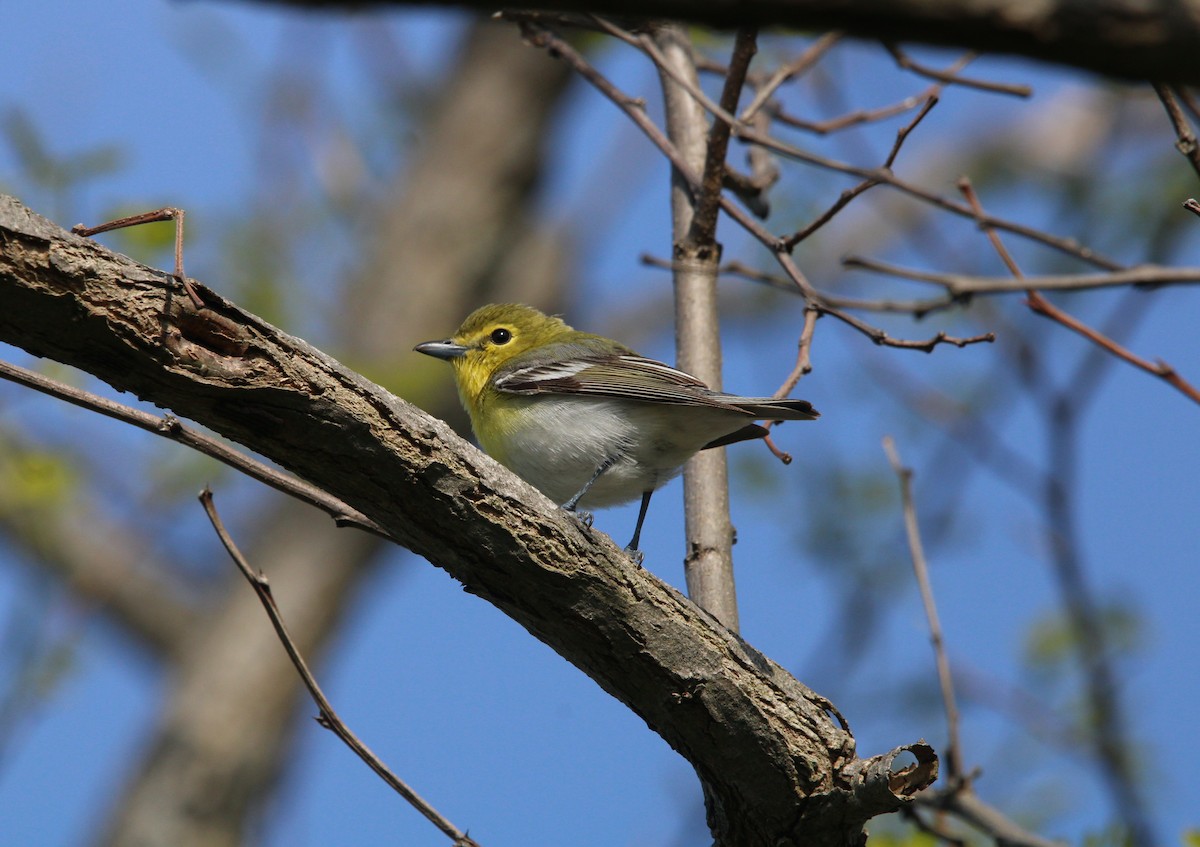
x,y
637,555
583,517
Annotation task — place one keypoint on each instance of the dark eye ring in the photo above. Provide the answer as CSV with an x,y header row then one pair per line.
x,y
501,336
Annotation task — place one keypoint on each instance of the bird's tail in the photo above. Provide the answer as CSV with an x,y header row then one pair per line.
x,y
770,409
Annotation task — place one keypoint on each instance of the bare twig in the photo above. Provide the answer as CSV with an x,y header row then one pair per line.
x,y
1185,136
953,750
170,427
959,285
1041,306
802,367
789,70
635,109
851,193
957,797
904,131
849,119
963,803
704,221
328,717
536,33
825,217
951,76
156,216
1069,246
917,308
1108,732
803,352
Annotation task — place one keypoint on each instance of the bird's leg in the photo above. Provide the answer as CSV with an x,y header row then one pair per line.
x,y
632,547
574,501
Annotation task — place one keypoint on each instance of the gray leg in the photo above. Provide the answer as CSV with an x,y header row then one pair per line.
x,y
632,546
574,501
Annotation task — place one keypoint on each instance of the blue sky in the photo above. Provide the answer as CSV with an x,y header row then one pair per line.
x,y
505,738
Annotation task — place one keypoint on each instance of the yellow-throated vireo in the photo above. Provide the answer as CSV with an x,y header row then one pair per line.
x,y
584,418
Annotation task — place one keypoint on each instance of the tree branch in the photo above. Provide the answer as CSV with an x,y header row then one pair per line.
x,y
328,717
769,754
1124,38
169,427
708,564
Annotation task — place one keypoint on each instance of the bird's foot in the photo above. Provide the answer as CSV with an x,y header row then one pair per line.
x,y
583,517
637,555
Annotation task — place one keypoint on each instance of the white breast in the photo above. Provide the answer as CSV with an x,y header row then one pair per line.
x,y
650,445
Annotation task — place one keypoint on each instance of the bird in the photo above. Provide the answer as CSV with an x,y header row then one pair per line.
x,y
585,419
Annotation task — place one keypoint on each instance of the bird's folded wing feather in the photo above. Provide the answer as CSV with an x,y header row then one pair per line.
x,y
633,377
623,376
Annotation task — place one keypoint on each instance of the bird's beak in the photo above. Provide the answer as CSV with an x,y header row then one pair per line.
x,y
441,349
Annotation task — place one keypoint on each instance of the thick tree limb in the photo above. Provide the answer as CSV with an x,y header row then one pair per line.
x,y
1152,40
774,762
464,196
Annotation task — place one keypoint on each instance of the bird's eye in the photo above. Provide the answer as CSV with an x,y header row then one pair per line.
x,y
501,336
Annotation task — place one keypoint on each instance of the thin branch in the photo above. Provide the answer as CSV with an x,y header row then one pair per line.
x,y
1189,101
952,77
753,135
648,46
1069,246
635,109
959,285
802,367
904,131
156,216
825,217
849,119
328,717
704,221
1185,136
789,70
168,426
850,194
751,189
1041,306
803,353
966,805
917,308
958,797
953,752
875,334
870,115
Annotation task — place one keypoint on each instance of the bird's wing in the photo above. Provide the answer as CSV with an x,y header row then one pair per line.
x,y
628,377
